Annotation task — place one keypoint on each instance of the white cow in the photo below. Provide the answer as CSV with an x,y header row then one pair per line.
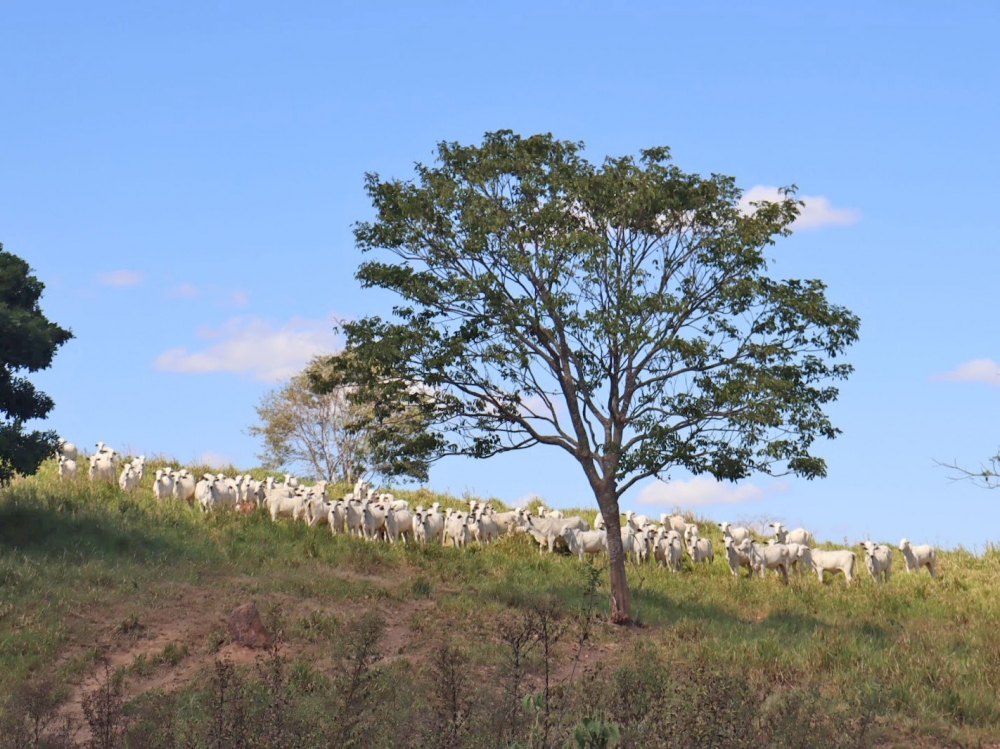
x,y
337,517
548,531
668,549
736,557
582,543
878,560
483,527
919,556
102,467
432,523
399,525
700,550
208,493
139,466
456,528
67,467
797,536
796,553
373,520
630,544
839,560
637,522
318,511
507,520
184,486
66,449
737,533
354,517
764,558
283,502
676,522
163,484
129,480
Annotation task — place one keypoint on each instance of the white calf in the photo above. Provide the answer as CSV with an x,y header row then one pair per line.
x,y
163,484
919,556
764,558
337,517
668,549
184,486
102,467
737,557
839,560
67,467
797,536
373,522
66,449
484,528
586,542
208,493
433,527
736,533
129,480
281,503
878,560
700,550
399,525
456,528
675,522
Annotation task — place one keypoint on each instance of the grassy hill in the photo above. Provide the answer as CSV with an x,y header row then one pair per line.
x,y
115,607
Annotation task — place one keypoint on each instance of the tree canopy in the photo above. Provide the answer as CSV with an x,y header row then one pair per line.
x,y
621,312
28,341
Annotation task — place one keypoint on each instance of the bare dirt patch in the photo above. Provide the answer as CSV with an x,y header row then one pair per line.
x,y
191,620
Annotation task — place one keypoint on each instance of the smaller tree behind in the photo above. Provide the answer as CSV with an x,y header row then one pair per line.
x,y
328,435
306,431
28,341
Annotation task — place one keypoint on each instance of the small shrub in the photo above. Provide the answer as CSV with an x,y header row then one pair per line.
x,y
316,626
593,734
141,666
216,639
172,654
129,628
104,711
421,587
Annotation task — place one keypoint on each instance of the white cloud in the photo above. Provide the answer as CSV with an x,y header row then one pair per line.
x,y
704,490
186,290
816,212
251,346
121,278
977,370
214,459
239,298
523,500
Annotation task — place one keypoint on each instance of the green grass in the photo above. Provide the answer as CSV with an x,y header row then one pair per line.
x,y
83,565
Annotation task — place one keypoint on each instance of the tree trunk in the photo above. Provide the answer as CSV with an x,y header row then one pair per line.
x,y
621,608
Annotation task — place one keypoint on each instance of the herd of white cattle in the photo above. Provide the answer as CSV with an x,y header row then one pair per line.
x,y
381,517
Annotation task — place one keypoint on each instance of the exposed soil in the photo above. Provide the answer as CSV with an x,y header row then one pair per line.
x,y
195,617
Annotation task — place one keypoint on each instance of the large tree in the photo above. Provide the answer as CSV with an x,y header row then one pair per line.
x,y
28,341
620,312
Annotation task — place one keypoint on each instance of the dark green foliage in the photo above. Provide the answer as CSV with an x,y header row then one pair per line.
x,y
621,312
28,341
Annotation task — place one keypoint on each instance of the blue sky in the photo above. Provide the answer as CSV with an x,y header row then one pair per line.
x,y
184,178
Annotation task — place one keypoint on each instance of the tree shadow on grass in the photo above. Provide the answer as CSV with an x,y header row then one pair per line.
x,y
47,533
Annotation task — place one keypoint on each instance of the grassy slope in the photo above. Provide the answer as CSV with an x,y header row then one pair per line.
x,y
78,563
